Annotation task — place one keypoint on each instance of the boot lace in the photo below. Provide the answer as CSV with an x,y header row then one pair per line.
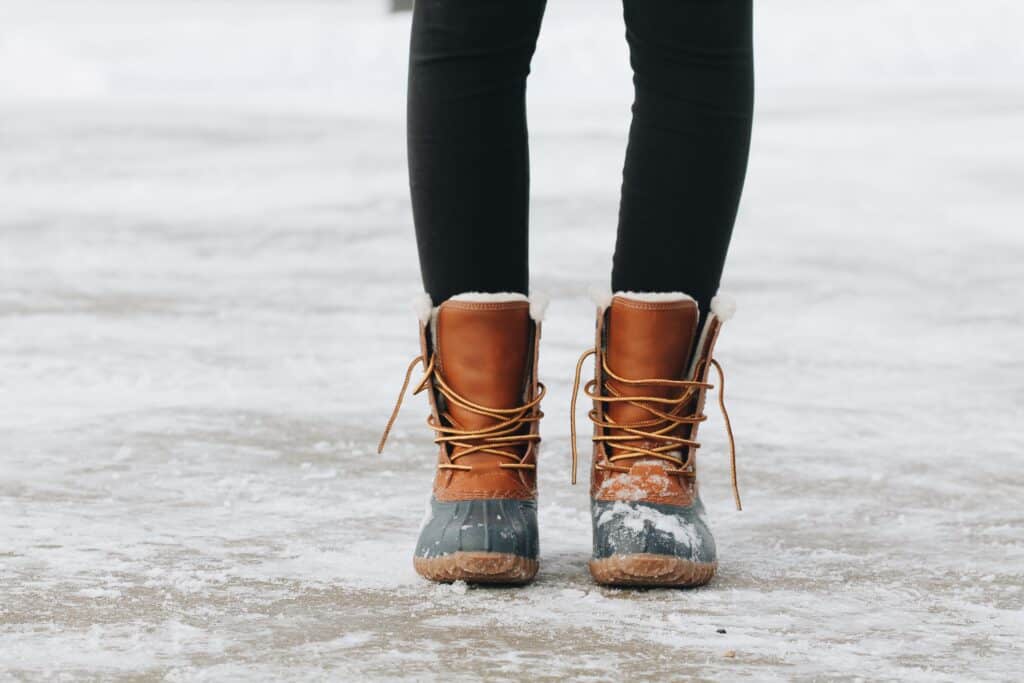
x,y
502,438
665,418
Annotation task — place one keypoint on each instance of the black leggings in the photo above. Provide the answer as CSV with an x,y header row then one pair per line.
x,y
685,162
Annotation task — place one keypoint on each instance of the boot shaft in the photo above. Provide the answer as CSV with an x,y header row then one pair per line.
x,y
655,338
647,338
484,349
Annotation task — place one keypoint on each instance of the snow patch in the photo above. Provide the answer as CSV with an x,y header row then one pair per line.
x,y
632,487
99,593
637,519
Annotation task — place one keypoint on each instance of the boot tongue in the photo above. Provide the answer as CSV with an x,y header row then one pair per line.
x,y
483,349
648,339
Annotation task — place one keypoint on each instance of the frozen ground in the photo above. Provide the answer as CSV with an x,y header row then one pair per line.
x,y
206,266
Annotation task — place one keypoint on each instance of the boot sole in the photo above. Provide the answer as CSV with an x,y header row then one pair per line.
x,y
651,570
477,567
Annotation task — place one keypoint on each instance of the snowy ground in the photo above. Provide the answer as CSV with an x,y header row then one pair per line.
x,y
206,266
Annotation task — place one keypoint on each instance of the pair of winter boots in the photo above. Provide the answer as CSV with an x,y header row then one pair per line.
x,y
653,356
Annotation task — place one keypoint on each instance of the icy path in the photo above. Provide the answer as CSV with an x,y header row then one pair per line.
x,y
204,314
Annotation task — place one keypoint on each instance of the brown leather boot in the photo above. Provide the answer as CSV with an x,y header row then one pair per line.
x,y
651,379
479,352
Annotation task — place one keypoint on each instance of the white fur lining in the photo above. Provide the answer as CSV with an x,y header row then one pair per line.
x,y
425,309
601,296
539,305
489,297
651,297
723,306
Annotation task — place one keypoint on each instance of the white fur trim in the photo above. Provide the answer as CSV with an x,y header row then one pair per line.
x,y
538,305
538,301
423,307
601,296
723,306
489,297
426,311
655,296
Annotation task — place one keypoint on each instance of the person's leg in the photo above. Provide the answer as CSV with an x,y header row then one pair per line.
x,y
468,158
688,144
655,345
469,175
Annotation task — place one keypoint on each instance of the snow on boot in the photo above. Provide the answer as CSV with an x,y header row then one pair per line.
x,y
651,372
479,353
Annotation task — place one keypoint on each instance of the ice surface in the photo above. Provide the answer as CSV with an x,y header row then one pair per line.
x,y
206,269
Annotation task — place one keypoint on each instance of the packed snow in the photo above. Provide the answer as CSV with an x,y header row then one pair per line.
x,y
206,281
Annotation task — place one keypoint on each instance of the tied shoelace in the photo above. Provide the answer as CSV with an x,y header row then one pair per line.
x,y
664,420
501,438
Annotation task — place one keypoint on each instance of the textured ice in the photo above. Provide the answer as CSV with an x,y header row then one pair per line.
x,y
206,265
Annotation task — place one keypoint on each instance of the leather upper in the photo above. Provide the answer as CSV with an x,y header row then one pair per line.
x,y
647,340
650,340
485,352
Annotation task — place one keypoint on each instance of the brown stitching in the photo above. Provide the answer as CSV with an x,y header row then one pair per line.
x,y
486,305
653,305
